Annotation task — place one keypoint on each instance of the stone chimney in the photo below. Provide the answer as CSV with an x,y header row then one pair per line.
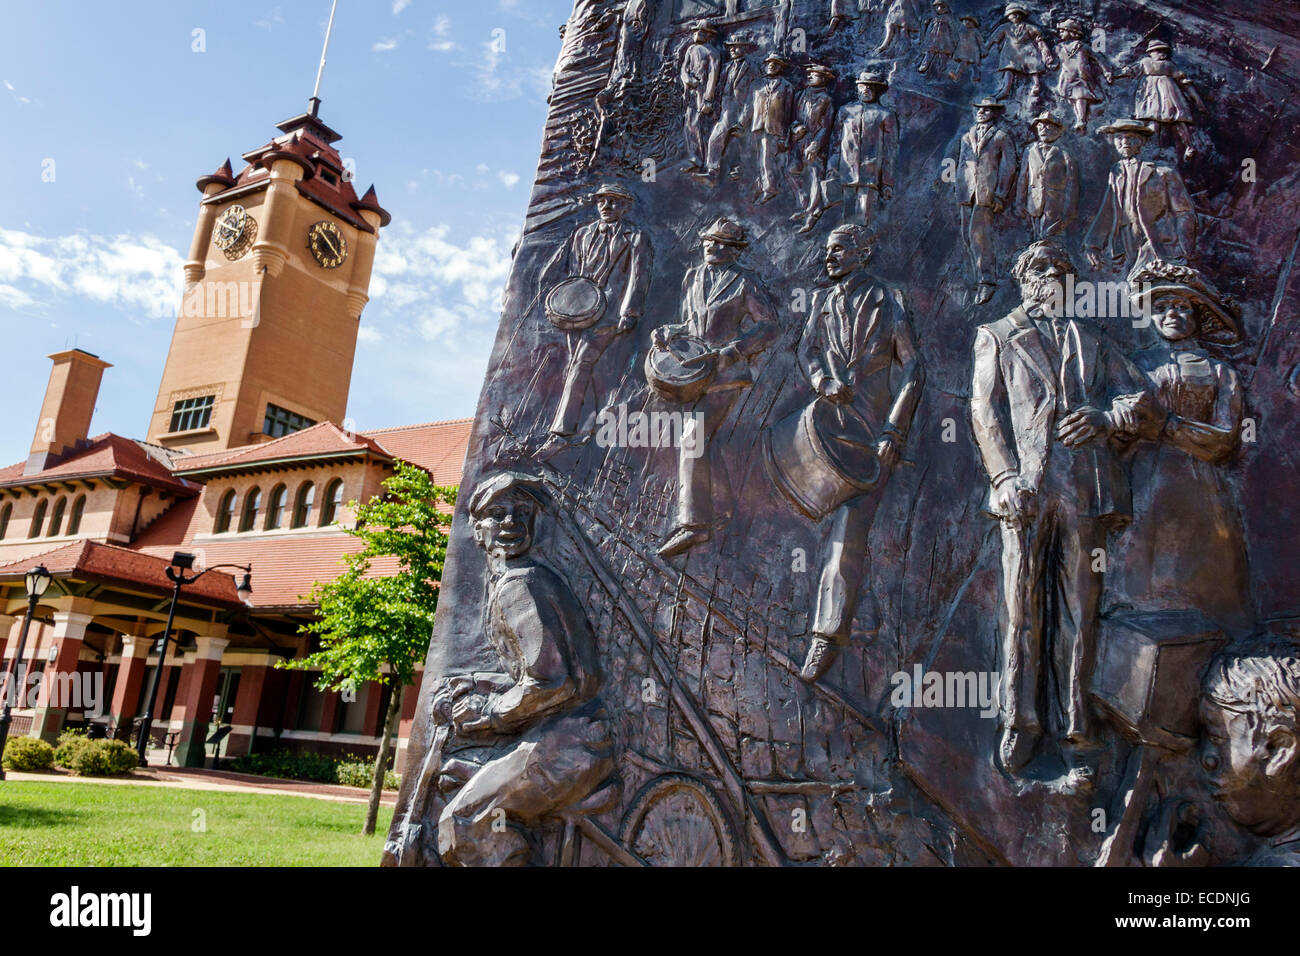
x,y
69,405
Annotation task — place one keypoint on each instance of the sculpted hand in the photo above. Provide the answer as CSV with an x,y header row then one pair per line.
x,y
888,453
470,713
1015,502
1082,426
835,391
627,322
1095,260
661,338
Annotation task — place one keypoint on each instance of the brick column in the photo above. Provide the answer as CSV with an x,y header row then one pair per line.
x,y
410,698
7,623
253,683
70,623
130,675
194,709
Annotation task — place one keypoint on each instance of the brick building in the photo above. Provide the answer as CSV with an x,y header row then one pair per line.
x,y
248,459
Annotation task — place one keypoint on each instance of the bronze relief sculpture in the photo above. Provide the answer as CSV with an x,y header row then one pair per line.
x,y
900,536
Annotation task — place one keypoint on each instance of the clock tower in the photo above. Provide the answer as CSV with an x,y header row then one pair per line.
x,y
277,276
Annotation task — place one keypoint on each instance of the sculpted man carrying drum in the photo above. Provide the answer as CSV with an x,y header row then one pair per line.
x,y
595,290
860,354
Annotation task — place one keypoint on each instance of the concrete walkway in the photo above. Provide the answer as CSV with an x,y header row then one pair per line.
x,y
219,780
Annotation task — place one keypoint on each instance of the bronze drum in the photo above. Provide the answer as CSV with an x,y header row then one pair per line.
x,y
679,373
822,456
575,304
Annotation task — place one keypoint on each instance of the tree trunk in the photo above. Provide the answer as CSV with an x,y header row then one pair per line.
x,y
391,720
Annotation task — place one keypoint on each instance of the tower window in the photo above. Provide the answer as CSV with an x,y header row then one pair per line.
x,y
281,422
78,509
56,522
38,519
275,509
252,505
4,520
333,502
226,512
191,413
303,504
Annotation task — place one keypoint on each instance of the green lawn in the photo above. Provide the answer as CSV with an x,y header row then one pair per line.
x,y
88,824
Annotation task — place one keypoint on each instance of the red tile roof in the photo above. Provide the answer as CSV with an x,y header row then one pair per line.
x,y
108,456
90,560
438,447
325,440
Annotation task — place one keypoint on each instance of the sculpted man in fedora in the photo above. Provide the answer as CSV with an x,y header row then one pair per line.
x,y
538,736
773,106
1146,213
986,175
616,256
729,309
1048,186
859,352
814,122
1046,410
868,153
738,79
700,73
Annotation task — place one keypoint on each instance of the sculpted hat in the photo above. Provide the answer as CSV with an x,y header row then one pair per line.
x,y
821,69
871,78
1069,22
1045,117
739,39
1155,46
615,190
503,484
1127,126
1016,8
701,26
1162,279
726,231
775,57
973,21
987,103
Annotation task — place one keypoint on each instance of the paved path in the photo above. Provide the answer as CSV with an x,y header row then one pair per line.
x,y
220,780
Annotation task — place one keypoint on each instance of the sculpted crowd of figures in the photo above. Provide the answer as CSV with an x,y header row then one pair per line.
x,y
1082,423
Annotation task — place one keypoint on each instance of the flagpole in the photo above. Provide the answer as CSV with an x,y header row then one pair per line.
x,y
329,32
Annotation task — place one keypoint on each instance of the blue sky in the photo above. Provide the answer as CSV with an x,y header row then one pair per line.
x,y
113,103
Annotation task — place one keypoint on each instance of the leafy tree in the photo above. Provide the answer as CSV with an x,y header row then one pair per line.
x,y
376,628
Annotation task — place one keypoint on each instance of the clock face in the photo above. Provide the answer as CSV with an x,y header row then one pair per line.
x,y
232,225
326,242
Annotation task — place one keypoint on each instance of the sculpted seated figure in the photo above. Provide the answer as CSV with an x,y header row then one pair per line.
x,y
544,733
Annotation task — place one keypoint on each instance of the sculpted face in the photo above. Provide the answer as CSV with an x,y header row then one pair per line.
x,y
1175,317
1071,32
1047,132
736,52
1015,16
611,208
986,114
719,253
773,68
1128,145
505,529
1252,773
1043,280
868,92
842,257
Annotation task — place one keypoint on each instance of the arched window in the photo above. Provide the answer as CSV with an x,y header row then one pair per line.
x,y
38,519
275,508
333,503
303,504
226,512
78,509
252,507
56,520
4,520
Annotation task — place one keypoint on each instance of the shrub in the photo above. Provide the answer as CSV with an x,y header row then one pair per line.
x,y
89,761
28,753
351,770
360,773
120,756
70,744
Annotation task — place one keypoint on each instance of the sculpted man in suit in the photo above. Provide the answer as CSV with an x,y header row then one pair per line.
x,y
1047,426
986,176
1146,213
617,257
738,79
859,352
814,122
730,310
1048,189
868,148
700,73
773,106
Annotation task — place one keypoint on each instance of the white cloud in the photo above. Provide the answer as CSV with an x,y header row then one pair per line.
x,y
271,19
383,46
509,180
139,274
441,41
12,89
400,5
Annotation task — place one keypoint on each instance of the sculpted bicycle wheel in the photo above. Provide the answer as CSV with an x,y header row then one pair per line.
x,y
678,821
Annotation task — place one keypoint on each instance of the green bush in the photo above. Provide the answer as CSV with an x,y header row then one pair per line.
x,y
28,753
350,770
360,773
120,756
89,761
70,744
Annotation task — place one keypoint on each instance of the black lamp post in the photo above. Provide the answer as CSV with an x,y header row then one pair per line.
x,y
38,580
182,562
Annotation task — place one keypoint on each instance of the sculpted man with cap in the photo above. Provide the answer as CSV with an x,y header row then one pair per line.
x,y
868,152
532,737
860,353
730,311
738,79
1048,188
986,175
700,73
773,104
814,121
1146,213
1049,417
617,258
